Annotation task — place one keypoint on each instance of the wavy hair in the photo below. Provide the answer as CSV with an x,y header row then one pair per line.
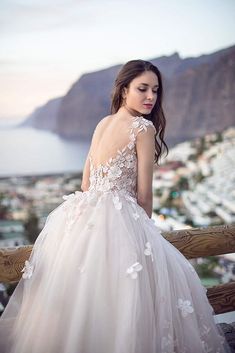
x,y
128,72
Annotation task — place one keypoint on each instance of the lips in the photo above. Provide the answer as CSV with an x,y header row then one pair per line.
x,y
148,105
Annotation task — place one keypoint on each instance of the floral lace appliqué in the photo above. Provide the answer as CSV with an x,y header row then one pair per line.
x,y
135,215
206,348
89,225
166,341
204,330
143,124
117,203
133,270
148,250
74,207
185,307
120,172
27,270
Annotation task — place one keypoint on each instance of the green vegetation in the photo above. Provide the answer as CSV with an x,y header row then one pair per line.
x,y
4,210
206,269
31,227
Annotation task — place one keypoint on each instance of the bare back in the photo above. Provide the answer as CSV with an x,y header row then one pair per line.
x,y
114,154
112,134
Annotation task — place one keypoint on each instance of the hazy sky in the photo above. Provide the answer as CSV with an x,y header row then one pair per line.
x,y
47,45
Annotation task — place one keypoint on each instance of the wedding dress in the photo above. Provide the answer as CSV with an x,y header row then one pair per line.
x,y
101,278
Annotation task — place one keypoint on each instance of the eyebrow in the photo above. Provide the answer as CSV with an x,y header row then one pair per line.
x,y
145,84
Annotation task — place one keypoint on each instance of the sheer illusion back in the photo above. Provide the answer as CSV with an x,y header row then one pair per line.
x,y
119,171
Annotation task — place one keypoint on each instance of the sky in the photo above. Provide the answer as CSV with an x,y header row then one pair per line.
x,y
47,45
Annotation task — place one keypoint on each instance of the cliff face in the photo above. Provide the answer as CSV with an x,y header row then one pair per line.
x,y
199,98
85,104
44,117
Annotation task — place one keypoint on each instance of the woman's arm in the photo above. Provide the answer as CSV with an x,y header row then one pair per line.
x,y
145,146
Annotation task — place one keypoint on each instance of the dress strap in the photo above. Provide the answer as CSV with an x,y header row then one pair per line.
x,y
141,124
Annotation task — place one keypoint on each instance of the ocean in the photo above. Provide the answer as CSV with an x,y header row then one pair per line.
x,y
28,151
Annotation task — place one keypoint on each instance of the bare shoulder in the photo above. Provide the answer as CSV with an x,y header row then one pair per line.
x,y
102,123
105,119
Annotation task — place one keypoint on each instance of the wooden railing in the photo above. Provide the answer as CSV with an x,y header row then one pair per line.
x,y
193,243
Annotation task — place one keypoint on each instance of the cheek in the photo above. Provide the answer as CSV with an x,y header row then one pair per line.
x,y
139,96
136,97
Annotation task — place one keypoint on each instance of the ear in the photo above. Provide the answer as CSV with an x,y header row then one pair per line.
x,y
124,92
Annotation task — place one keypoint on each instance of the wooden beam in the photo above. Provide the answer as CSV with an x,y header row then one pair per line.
x,y
222,297
193,243
202,242
12,262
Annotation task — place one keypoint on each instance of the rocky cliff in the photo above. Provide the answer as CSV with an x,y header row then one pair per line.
x,y
199,98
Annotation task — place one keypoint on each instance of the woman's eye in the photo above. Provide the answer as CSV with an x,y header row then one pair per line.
x,y
143,90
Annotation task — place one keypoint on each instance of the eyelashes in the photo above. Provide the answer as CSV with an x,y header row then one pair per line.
x,y
143,90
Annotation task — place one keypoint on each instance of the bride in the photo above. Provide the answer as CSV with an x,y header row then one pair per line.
x,y
101,278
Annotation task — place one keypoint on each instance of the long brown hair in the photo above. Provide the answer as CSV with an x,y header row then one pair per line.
x,y
128,72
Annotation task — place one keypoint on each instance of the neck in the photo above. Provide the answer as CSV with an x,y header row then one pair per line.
x,y
131,111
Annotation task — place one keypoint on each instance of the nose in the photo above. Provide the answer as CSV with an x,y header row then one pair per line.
x,y
150,94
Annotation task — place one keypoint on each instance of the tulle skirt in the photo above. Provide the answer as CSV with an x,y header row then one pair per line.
x,y
101,278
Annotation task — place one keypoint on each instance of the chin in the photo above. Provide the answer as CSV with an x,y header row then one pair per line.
x,y
143,111
146,111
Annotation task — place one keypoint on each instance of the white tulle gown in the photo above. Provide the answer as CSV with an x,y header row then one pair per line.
x,y
101,277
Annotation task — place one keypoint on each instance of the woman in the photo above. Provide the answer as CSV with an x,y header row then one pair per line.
x,y
101,278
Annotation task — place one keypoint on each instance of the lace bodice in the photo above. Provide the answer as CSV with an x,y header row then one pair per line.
x,y
120,172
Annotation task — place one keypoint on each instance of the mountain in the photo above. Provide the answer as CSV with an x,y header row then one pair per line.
x,y
44,117
198,98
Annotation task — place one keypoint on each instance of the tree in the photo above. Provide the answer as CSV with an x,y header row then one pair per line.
x,y
206,269
4,210
183,183
31,227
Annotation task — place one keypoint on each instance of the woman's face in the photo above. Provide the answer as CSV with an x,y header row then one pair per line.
x,y
142,92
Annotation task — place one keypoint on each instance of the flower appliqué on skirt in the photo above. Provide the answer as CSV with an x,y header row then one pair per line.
x,y
133,270
27,270
185,307
148,250
117,203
